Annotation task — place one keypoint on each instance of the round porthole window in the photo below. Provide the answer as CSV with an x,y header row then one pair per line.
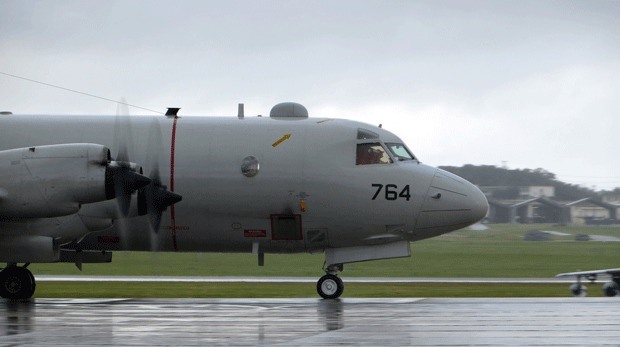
x,y
250,166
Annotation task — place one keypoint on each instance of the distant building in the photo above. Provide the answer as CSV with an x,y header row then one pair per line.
x,y
535,204
537,192
611,198
522,193
533,210
589,211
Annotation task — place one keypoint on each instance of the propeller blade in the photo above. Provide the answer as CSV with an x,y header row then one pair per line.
x,y
155,198
123,177
123,136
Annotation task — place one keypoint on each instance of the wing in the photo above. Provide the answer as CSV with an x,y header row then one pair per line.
x,y
612,272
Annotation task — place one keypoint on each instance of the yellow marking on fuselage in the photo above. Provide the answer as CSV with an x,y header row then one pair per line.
x,y
282,139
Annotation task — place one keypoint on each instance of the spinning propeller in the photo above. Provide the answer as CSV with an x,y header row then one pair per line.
x,y
154,198
126,177
123,177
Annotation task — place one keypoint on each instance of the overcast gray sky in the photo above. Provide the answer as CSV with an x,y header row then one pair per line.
x,y
534,84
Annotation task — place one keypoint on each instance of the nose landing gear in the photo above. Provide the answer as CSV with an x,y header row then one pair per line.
x,y
330,286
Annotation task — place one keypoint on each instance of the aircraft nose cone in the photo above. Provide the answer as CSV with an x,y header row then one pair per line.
x,y
452,203
479,204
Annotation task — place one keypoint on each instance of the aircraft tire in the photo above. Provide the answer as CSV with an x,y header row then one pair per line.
x,y
579,290
16,283
330,287
611,289
33,285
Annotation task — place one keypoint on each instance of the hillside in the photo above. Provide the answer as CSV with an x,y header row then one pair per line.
x,y
488,175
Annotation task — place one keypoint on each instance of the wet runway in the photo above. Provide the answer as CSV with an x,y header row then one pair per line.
x,y
312,322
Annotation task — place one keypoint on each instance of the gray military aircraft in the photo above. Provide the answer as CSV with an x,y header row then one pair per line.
x,y
75,188
611,288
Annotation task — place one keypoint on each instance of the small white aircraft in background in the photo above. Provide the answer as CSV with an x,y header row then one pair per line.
x,y
611,288
75,188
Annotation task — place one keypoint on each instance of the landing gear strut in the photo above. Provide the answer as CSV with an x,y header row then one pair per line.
x,y
16,282
330,286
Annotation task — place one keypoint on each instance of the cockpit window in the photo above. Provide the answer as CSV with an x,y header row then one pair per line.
x,y
399,151
371,153
363,134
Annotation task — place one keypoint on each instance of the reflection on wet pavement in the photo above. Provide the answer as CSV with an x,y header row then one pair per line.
x,y
157,322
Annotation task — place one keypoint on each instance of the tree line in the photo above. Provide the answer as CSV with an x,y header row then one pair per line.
x,y
512,179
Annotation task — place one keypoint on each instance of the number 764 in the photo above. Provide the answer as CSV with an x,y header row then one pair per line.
x,y
391,192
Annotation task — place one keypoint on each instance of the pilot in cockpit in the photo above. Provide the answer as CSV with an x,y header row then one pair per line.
x,y
371,153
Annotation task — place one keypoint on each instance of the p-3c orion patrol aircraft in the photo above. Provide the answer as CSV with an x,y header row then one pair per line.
x,y
75,188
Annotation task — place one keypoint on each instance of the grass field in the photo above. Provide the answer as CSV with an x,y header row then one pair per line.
x,y
295,290
497,252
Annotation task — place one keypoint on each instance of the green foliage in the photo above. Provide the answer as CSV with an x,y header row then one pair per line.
x,y
296,290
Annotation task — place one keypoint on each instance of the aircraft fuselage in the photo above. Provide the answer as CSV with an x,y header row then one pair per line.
x,y
74,187
308,194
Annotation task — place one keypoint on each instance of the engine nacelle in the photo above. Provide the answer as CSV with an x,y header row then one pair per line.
x,y
611,289
29,249
52,181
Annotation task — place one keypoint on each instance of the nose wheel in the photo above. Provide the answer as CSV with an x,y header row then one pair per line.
x,y
330,286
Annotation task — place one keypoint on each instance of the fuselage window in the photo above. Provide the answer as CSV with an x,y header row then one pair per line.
x,y
371,153
399,151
